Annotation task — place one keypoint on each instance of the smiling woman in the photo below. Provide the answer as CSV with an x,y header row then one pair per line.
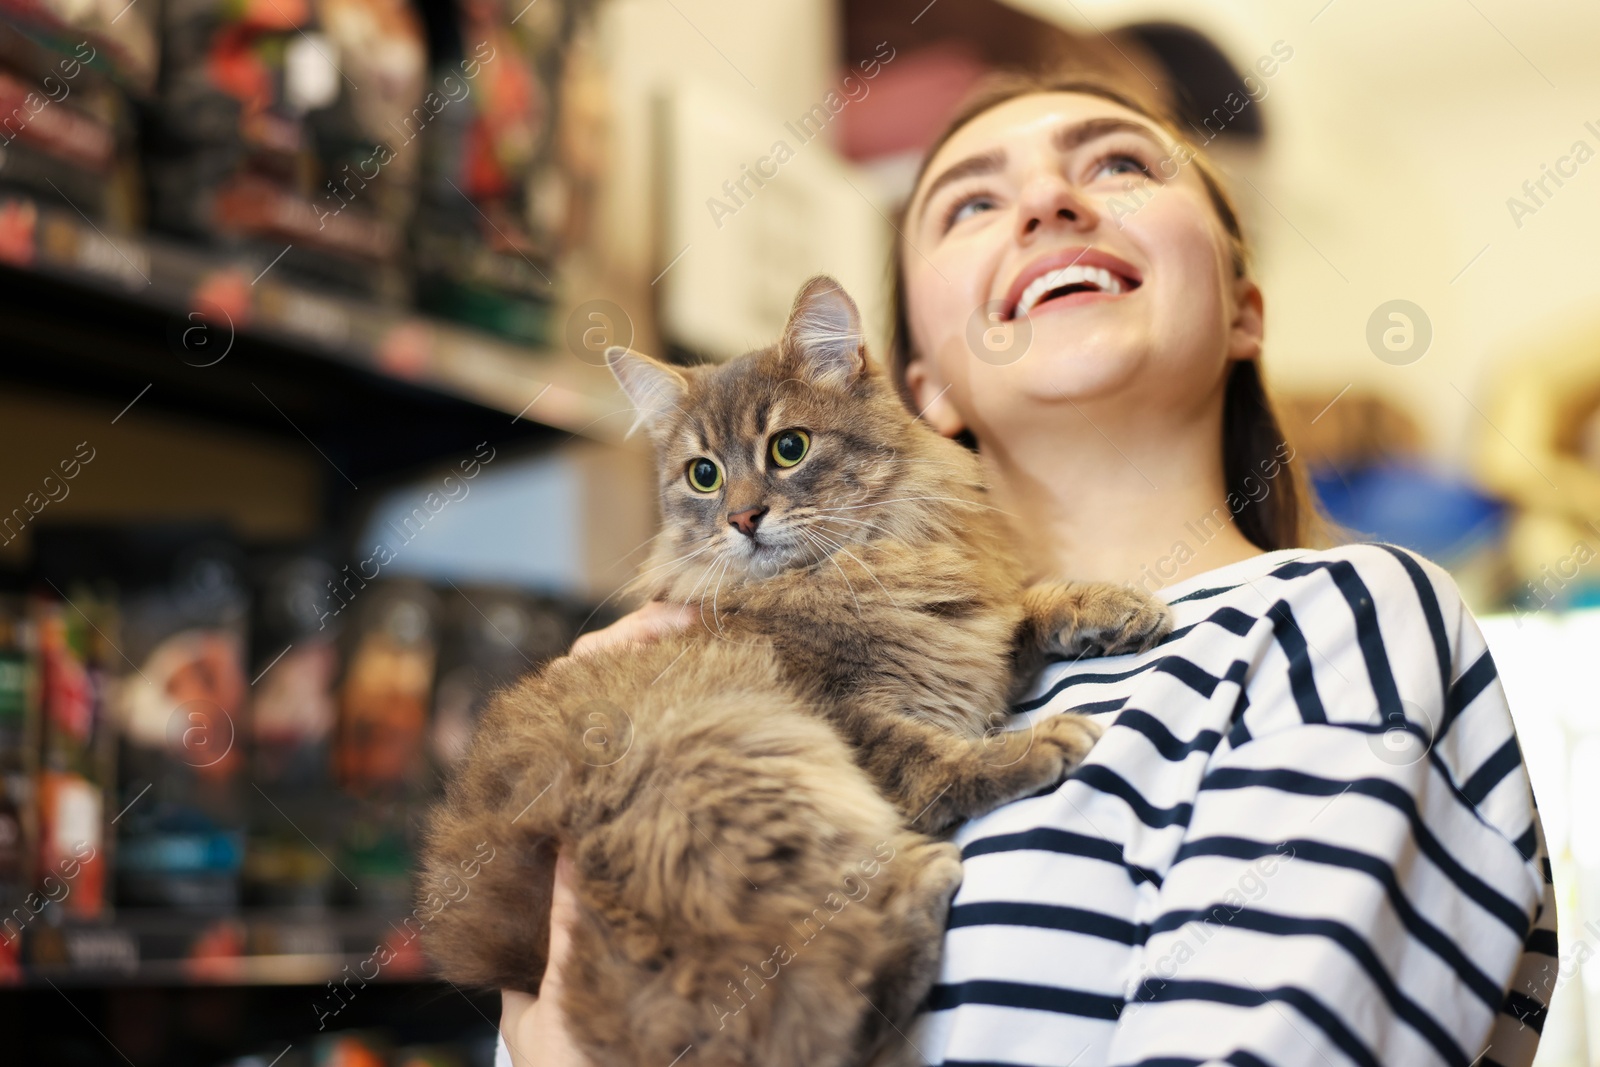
x,y
1128,150
1306,835
1337,709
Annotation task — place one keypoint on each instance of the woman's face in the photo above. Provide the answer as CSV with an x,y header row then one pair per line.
x,y
1061,248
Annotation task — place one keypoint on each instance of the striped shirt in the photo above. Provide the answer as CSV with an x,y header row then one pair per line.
x,y
1307,837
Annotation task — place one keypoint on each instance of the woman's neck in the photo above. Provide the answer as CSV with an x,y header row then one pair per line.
x,y
1149,508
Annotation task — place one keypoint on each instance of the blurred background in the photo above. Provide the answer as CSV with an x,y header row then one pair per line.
x,y
307,440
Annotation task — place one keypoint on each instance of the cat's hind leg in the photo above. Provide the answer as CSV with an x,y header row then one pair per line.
x,y
488,861
918,906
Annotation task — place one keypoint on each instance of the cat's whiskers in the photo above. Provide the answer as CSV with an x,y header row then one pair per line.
x,y
638,579
716,591
724,558
838,546
857,522
811,534
905,499
676,564
653,537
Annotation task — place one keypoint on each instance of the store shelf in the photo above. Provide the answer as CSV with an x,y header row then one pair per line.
x,y
385,389
141,948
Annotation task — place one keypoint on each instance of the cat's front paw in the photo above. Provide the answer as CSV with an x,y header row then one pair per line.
x,y
1070,735
1105,619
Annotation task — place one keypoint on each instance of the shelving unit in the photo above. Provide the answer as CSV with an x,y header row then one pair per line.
x,y
254,947
360,395
383,390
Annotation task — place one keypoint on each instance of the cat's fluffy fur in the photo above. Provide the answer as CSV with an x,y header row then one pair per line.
x,y
751,806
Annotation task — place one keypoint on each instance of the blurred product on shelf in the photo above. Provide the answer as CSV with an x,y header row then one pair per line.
x,y
178,702
293,713
75,775
491,637
258,140
70,75
19,904
379,752
404,151
384,703
496,199
371,1048
256,825
69,81
124,35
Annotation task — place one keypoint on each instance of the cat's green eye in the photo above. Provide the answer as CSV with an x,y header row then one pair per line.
x,y
789,447
704,475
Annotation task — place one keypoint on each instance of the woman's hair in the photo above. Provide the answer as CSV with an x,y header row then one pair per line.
x,y
1252,440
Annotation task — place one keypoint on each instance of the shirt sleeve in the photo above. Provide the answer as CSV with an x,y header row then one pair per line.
x,y
1362,879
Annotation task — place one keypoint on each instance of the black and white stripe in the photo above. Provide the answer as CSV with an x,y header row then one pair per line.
x,y
1306,838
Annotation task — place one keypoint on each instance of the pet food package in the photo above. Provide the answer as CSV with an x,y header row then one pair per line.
x,y
294,669
380,755
19,726
178,699
75,638
269,123
492,635
70,74
495,198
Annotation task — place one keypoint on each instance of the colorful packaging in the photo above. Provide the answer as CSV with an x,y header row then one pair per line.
x,y
269,120
178,700
75,774
294,710
380,756
492,636
495,200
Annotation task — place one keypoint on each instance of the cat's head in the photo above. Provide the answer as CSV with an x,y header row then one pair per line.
x,y
779,458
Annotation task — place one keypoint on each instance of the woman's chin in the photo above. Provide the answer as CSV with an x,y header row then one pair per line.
x,y
1054,372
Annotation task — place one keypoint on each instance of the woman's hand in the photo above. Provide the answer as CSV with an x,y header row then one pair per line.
x,y
646,624
533,1028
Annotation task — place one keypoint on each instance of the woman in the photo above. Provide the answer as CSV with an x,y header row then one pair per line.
x,y
1307,836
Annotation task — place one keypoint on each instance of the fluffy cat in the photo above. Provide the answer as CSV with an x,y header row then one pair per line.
x,y
752,807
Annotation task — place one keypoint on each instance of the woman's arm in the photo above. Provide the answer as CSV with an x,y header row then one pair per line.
x,y
532,1028
1361,878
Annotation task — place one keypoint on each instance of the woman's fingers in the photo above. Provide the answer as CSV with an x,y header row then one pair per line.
x,y
519,1026
534,1029
563,913
646,624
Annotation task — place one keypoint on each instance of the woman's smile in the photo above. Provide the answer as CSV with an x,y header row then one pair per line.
x,y
1068,278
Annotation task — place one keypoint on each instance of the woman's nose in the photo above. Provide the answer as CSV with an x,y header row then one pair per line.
x,y
1051,203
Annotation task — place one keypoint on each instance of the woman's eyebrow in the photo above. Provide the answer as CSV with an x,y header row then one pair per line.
x,y
990,162
1070,137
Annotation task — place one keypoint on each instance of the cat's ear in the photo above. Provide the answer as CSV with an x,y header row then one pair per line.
x,y
824,331
655,388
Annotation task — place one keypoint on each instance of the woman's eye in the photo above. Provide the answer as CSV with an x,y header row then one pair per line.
x,y
966,208
789,447
704,475
1120,164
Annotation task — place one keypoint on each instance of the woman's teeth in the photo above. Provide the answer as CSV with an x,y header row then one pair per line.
x,y
1102,280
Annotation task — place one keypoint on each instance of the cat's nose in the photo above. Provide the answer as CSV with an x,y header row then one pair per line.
x,y
747,520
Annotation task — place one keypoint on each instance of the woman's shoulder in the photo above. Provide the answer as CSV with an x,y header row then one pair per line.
x,y
1350,583
1375,637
